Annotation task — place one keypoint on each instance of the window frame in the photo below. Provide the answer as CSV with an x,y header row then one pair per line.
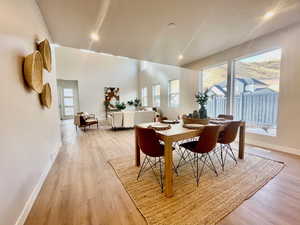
x,y
154,95
228,82
177,94
144,96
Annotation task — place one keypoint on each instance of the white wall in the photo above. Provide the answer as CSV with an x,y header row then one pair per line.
x,y
29,134
289,107
154,73
95,71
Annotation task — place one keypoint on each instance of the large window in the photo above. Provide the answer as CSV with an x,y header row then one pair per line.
x,y
156,95
144,95
256,88
173,93
252,93
214,80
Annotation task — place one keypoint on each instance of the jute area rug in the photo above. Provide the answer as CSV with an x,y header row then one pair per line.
x,y
212,200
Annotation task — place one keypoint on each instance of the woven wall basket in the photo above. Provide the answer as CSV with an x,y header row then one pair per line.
x,y
46,96
44,48
33,71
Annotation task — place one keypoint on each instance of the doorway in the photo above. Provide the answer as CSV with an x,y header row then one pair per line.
x,y
68,98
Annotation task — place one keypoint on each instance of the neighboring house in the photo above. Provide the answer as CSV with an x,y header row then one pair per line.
x,y
263,91
242,85
218,89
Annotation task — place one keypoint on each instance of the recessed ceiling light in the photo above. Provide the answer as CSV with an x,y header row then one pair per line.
x,y
171,25
269,15
180,57
94,36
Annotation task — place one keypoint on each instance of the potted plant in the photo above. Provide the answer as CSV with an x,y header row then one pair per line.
x,y
130,102
137,103
120,106
201,99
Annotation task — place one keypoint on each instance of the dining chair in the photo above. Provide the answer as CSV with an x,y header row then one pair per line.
x,y
226,137
83,121
226,117
153,149
200,151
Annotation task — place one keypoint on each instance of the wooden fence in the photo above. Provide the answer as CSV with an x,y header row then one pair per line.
x,y
256,109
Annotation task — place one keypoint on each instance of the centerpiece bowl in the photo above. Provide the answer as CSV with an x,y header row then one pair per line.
x,y
188,120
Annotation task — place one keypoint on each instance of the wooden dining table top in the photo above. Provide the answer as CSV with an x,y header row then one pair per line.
x,y
178,132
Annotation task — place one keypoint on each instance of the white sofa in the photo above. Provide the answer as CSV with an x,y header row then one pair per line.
x,y
128,119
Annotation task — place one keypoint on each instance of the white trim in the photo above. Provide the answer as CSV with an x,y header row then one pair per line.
x,y
29,203
279,148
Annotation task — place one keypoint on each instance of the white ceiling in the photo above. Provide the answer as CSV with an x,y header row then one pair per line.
x,y
138,28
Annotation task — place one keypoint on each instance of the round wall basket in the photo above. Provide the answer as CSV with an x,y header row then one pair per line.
x,y
33,71
44,48
46,96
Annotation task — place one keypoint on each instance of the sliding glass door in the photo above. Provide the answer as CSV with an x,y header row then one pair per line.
x,y
256,90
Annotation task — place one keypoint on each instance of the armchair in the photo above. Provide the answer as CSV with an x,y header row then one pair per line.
x,y
85,120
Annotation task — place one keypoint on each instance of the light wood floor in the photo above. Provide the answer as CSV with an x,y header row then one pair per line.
x,y
83,189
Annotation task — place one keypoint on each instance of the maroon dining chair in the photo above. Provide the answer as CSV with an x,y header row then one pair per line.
x,y
149,144
226,137
201,150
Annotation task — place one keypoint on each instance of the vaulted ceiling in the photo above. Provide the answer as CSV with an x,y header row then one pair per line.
x,y
139,28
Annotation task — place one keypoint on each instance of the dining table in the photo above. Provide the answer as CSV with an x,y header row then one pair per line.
x,y
178,133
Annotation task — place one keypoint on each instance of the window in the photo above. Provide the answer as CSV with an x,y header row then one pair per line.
x,y
256,89
253,92
173,91
68,102
144,96
156,95
214,80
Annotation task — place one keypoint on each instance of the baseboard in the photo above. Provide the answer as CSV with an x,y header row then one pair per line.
x,y
278,148
29,203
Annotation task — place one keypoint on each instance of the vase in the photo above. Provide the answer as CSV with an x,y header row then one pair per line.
x,y
203,112
195,114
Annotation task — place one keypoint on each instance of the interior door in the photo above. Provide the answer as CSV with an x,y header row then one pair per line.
x,y
68,95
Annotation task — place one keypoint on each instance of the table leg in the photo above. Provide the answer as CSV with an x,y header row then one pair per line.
x,y
137,150
242,140
168,169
